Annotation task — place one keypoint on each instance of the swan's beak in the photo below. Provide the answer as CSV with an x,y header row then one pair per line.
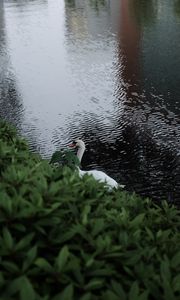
x,y
73,145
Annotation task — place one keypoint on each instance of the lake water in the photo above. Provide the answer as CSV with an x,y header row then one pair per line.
x,y
104,71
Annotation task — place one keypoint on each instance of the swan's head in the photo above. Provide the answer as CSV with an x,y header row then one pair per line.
x,y
78,144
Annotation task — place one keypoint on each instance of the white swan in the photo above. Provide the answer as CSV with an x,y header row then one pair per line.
x,y
98,175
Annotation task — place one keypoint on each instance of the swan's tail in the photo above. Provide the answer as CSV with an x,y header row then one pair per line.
x,y
122,186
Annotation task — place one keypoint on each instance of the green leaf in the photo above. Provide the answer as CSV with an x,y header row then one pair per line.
x,y
176,283
6,202
7,237
19,227
109,295
168,292
73,266
89,262
165,270
144,296
118,289
62,258
24,242
65,157
31,255
87,296
175,262
106,272
10,266
159,234
67,294
94,284
14,286
54,188
85,213
134,291
137,220
26,290
56,157
43,264
133,258
150,233
98,226
2,280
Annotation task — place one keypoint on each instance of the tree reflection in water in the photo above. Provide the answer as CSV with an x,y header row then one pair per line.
x,y
11,105
97,4
177,7
71,3
140,147
145,12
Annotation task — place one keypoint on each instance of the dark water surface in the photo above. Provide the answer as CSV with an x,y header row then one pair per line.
x,y
104,71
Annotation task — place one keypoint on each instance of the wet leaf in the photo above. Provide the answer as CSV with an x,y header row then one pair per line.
x,y
175,262
94,284
7,238
24,242
43,264
67,294
138,220
26,290
118,289
134,291
31,255
62,258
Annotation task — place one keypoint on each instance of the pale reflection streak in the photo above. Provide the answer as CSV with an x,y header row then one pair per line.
x,y
11,106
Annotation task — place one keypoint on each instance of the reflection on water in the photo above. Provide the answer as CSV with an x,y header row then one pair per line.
x,y
106,71
144,12
10,102
177,8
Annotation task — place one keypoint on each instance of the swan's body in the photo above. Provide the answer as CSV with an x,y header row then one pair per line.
x,y
98,175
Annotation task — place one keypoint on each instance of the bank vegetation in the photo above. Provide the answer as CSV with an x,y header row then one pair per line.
x,y
65,238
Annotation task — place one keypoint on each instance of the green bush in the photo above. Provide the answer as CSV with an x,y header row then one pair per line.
x,y
65,238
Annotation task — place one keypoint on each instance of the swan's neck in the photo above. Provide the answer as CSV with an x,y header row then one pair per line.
x,y
80,153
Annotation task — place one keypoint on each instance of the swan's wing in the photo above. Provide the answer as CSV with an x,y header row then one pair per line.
x,y
81,173
122,186
103,177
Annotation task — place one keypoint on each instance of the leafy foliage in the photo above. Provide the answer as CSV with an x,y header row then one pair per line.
x,y
63,237
65,158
